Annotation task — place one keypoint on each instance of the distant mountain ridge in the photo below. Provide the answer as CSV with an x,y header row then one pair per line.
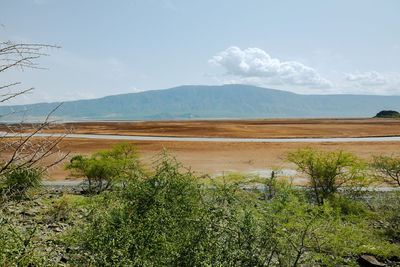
x,y
225,101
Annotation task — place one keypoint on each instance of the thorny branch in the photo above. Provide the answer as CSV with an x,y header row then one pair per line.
x,y
20,145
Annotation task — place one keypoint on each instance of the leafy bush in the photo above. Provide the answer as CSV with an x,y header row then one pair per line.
x,y
387,208
347,206
105,168
17,246
59,210
388,169
167,218
156,223
330,170
16,182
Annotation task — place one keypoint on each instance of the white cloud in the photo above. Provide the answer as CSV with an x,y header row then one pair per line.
x,y
256,64
372,82
371,78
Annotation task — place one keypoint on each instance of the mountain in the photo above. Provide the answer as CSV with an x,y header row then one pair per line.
x,y
226,101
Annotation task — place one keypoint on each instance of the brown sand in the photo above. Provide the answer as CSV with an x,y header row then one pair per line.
x,y
213,158
268,128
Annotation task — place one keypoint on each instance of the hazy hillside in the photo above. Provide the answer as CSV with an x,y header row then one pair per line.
x,y
227,101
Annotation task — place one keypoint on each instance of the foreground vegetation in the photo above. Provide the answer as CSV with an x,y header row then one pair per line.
x,y
165,215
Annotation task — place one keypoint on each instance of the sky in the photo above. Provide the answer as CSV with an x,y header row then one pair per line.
x,y
114,47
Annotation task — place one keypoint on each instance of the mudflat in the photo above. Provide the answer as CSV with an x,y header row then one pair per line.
x,y
266,128
219,157
215,158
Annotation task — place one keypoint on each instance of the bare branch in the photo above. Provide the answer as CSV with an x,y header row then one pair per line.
x,y
20,147
21,55
9,96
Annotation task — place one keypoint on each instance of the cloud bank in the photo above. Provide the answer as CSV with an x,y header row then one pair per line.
x,y
256,64
371,78
373,82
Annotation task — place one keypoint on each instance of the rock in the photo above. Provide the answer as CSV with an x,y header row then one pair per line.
x,y
52,226
57,230
369,260
29,213
71,249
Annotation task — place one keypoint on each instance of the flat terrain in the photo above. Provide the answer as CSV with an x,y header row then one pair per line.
x,y
269,128
218,157
215,158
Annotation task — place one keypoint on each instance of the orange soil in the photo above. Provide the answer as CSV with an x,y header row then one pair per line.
x,y
212,158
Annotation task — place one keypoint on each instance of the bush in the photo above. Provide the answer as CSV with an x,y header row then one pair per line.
x,y
388,169
157,222
17,246
387,209
16,182
105,168
167,218
330,170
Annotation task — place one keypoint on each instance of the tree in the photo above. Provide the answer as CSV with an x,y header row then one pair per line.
x,y
388,169
329,170
20,147
104,168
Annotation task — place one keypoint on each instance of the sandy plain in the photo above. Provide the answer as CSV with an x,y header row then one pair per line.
x,y
220,157
267,128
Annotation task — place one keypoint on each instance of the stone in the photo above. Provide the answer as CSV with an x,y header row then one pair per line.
x,y
369,260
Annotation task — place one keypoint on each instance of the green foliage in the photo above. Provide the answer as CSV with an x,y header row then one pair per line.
x,y
155,224
349,207
315,235
388,169
167,218
273,187
328,171
105,168
15,182
60,209
17,246
387,208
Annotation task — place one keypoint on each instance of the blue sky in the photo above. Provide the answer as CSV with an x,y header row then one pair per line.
x,y
112,47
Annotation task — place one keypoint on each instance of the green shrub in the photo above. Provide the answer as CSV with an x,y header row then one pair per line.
x,y
155,222
16,182
328,171
17,246
388,169
347,206
105,168
59,210
387,208
167,218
